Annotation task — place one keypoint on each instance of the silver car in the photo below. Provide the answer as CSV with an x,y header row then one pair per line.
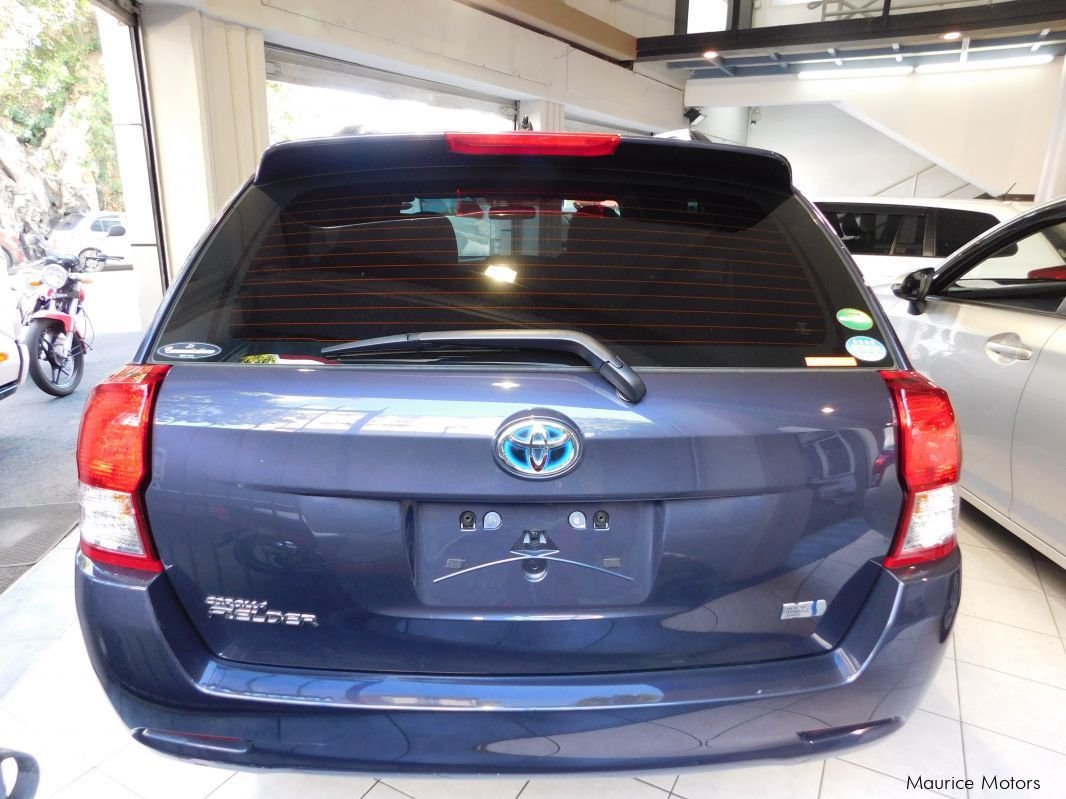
x,y
989,325
13,363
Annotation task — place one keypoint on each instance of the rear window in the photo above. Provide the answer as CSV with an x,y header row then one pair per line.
x,y
878,232
667,271
104,224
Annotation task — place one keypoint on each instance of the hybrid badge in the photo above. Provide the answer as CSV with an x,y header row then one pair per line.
x,y
537,447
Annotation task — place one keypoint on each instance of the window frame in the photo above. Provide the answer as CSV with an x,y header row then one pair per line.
x,y
985,246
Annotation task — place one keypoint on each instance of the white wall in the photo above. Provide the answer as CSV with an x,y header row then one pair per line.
x,y
635,17
708,15
989,127
832,153
458,45
767,13
790,12
726,125
205,66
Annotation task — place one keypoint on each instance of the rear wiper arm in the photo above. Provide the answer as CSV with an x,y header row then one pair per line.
x,y
612,368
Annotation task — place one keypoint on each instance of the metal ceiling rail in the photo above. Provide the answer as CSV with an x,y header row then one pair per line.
x,y
887,28
882,51
784,63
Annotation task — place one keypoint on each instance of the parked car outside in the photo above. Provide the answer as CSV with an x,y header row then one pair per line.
x,y
13,364
990,326
84,234
656,489
890,236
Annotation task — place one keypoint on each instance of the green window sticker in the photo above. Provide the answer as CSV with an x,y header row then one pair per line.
x,y
854,319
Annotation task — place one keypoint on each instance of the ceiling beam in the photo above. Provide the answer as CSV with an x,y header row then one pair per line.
x,y
894,27
557,19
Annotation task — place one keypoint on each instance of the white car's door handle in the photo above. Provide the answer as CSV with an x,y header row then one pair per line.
x,y
1011,351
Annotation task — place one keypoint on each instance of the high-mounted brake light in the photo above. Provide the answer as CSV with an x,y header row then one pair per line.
x,y
526,143
930,460
114,454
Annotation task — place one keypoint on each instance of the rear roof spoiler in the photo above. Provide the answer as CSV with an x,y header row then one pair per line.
x,y
338,154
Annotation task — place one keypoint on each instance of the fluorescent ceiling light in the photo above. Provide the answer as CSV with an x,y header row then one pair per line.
x,y
710,54
872,72
951,36
991,63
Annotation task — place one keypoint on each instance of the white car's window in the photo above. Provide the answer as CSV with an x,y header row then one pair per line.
x,y
867,231
955,228
1028,274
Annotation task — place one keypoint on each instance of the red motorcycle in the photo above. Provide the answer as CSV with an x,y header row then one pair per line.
x,y
55,326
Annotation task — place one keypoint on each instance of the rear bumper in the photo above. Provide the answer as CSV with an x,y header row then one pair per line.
x,y
11,386
165,685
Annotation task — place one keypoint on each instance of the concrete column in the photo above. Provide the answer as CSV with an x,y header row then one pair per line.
x,y
543,114
1053,175
207,88
124,101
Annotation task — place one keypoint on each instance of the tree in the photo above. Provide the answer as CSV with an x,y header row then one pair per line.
x,y
52,62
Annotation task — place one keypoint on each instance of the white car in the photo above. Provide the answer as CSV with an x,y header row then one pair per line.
x,y
13,363
84,234
989,325
891,236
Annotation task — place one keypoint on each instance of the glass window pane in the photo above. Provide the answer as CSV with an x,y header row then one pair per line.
x,y
1038,257
879,232
956,228
672,273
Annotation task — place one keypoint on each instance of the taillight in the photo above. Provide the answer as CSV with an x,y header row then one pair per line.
x,y
525,143
114,455
930,459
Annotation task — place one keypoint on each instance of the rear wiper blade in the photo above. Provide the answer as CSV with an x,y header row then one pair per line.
x,y
611,367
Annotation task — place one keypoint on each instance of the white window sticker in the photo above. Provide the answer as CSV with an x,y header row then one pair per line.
x,y
865,348
188,350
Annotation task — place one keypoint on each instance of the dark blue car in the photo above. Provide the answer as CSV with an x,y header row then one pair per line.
x,y
522,453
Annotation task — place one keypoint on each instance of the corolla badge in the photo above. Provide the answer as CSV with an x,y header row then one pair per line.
x,y
537,448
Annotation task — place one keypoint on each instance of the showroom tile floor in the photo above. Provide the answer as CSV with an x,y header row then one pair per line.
x,y
996,709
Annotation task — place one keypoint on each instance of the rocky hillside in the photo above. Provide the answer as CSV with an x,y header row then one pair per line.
x,y
57,154
38,185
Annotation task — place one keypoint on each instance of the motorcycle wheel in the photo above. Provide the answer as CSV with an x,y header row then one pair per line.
x,y
90,266
60,379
